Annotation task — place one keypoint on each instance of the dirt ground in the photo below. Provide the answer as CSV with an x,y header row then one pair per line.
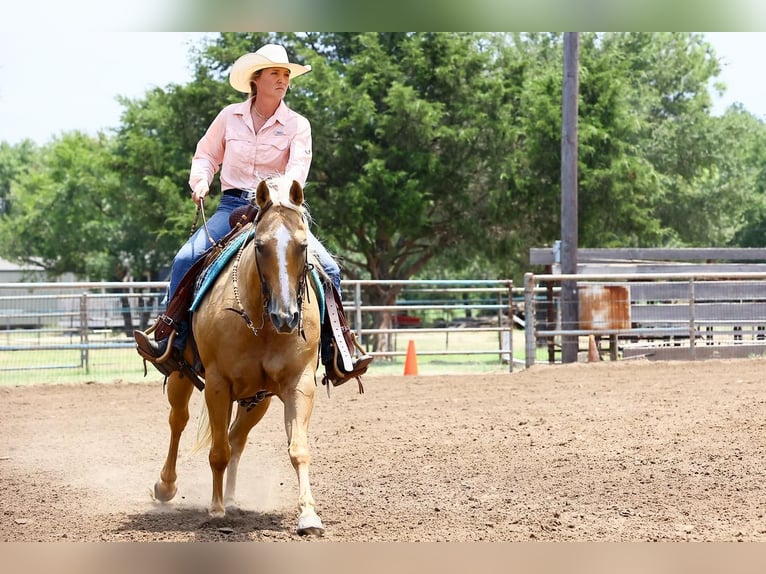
x,y
628,451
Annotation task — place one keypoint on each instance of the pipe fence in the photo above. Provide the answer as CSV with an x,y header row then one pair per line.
x,y
50,331
70,331
660,316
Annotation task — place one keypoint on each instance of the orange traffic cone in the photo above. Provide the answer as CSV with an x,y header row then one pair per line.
x,y
411,362
593,354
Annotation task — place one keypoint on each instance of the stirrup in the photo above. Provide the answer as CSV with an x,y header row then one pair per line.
x,y
335,375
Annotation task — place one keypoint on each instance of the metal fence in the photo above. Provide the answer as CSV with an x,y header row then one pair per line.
x,y
656,316
67,331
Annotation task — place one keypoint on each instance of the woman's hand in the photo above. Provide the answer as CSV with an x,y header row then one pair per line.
x,y
200,191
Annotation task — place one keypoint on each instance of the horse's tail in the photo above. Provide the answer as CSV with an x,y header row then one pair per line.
x,y
204,432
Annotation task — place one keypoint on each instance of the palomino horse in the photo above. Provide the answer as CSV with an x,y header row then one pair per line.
x,y
273,352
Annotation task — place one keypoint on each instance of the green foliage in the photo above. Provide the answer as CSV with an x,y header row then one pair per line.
x,y
749,181
66,213
15,162
435,154
406,146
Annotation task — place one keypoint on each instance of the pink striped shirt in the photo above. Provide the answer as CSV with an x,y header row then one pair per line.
x,y
281,147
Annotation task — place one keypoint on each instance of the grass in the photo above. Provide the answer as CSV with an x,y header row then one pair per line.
x,y
44,365
431,353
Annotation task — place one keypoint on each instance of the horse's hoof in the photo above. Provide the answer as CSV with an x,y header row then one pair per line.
x,y
164,492
310,526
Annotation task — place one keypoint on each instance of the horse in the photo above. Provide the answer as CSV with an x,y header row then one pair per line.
x,y
272,352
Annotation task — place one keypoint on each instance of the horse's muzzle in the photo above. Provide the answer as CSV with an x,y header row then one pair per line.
x,y
284,322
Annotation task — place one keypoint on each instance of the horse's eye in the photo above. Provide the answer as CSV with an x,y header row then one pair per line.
x,y
259,247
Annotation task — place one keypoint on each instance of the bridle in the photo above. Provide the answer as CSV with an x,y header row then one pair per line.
x,y
265,291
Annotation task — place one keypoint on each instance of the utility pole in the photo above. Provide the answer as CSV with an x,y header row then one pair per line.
x,y
569,303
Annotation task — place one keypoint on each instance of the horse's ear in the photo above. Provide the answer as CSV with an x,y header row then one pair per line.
x,y
296,193
262,194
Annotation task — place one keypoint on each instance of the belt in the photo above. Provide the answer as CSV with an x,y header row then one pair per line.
x,y
240,193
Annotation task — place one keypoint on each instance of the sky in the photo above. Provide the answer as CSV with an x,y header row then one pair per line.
x,y
61,82
741,55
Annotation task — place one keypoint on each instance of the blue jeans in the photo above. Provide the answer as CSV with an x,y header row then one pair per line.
x,y
218,226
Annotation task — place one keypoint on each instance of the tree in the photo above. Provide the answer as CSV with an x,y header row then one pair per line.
x,y
66,213
655,168
15,162
404,143
440,151
750,134
435,154
677,135
409,133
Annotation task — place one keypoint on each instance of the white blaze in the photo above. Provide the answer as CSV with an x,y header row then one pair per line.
x,y
283,240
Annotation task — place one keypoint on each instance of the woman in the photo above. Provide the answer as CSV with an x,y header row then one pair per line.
x,y
250,141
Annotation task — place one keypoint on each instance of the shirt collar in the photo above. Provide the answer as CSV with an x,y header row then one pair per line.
x,y
282,113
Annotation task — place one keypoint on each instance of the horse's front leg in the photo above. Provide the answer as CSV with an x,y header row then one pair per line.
x,y
179,391
299,403
219,407
243,423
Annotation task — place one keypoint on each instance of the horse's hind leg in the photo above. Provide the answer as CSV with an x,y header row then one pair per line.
x,y
299,404
179,391
243,422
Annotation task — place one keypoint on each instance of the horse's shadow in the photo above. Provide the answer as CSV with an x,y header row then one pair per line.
x,y
238,524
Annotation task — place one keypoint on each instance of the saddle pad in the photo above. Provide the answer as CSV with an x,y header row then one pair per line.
x,y
319,291
208,275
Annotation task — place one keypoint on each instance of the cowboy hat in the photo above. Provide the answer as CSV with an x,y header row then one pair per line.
x,y
269,56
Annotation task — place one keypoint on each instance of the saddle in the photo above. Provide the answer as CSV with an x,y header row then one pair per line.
x,y
178,307
177,314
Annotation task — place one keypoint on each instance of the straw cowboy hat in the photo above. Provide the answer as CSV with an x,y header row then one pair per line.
x,y
269,56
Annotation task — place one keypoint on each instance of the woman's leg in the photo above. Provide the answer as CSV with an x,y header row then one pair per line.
x,y
198,243
217,226
325,260
359,362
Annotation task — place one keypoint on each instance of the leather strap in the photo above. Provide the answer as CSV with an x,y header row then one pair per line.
x,y
333,314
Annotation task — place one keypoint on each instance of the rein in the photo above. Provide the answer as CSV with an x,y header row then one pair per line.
x,y
201,210
241,309
204,221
